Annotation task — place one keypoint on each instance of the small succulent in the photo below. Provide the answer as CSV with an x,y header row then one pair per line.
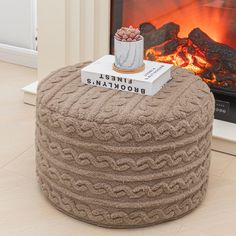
x,y
128,34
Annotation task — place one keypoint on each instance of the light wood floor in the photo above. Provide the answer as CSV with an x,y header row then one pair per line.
x,y
24,211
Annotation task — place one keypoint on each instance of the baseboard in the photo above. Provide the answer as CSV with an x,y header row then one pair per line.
x,y
224,137
17,55
30,92
223,145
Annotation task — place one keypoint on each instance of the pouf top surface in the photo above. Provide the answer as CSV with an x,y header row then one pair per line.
x,y
184,95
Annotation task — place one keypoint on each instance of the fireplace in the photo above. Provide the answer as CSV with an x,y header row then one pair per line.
x,y
199,35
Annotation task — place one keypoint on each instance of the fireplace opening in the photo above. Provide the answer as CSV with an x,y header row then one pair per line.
x,y
199,35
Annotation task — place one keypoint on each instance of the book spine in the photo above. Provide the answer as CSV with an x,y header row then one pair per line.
x,y
113,82
161,82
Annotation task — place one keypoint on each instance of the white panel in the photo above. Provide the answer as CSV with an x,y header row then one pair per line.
x,y
51,36
17,23
71,31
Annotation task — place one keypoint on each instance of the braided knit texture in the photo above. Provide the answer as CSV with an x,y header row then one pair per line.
x,y
119,159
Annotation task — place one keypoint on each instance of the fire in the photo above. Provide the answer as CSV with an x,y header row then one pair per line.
x,y
193,60
210,16
212,56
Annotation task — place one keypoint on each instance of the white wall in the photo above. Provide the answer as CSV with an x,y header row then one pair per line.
x,y
74,31
17,23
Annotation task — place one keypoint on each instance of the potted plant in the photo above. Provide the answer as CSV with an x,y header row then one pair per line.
x,y
129,47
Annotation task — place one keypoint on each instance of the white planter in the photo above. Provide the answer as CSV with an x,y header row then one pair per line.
x,y
129,55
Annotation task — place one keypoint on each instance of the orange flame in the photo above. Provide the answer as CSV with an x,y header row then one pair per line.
x,y
195,61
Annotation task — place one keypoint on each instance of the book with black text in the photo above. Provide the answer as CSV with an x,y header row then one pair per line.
x,y
147,82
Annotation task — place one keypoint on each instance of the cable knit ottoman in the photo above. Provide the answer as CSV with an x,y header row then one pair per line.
x,y
119,159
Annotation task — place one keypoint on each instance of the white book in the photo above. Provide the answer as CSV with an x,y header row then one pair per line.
x,y
147,82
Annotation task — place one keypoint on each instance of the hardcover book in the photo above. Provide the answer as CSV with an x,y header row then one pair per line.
x,y
148,82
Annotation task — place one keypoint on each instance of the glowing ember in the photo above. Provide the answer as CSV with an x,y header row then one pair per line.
x,y
181,57
186,55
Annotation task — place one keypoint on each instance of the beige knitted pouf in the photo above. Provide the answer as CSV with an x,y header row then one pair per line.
x,y
119,159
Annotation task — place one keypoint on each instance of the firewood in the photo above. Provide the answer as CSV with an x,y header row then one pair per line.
x,y
146,27
207,73
224,77
158,36
214,51
170,47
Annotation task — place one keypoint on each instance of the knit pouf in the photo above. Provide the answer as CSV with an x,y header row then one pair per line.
x,y
119,159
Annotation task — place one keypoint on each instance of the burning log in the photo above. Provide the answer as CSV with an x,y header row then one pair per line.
x,y
230,65
167,48
158,36
214,62
191,50
207,73
170,47
146,28
224,77
198,63
182,59
217,67
214,51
